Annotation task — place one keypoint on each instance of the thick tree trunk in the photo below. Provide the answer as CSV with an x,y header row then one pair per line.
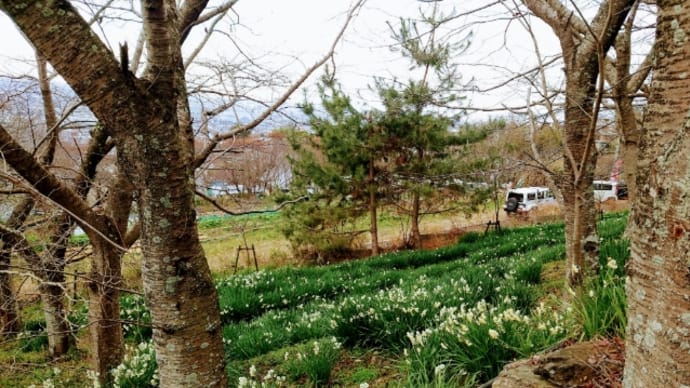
x,y
581,241
658,331
177,281
105,328
9,319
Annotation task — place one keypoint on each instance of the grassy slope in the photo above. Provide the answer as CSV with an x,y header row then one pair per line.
x,y
371,306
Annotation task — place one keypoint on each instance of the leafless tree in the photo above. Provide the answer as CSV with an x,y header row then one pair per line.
x,y
584,45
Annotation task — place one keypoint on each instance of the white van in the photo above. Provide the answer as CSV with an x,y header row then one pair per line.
x,y
605,190
525,199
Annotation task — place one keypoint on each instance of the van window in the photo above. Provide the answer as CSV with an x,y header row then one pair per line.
x,y
603,186
531,196
540,195
517,196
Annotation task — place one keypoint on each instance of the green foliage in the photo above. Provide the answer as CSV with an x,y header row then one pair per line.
x,y
599,307
469,237
65,377
320,230
79,240
337,167
478,341
136,318
139,368
78,316
474,133
211,222
33,338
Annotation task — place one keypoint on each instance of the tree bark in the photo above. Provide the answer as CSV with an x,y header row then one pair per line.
x,y
373,205
57,326
9,319
414,229
658,330
583,50
580,213
53,262
105,329
624,86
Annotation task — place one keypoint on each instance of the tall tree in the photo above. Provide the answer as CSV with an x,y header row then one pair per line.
x,y
351,144
418,113
583,56
658,330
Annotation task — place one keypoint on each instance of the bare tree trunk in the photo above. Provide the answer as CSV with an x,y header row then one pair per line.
x,y
52,273
105,329
9,319
177,281
630,137
52,265
57,325
414,229
658,330
624,86
581,241
373,227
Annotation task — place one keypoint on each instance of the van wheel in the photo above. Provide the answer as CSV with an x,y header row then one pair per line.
x,y
511,205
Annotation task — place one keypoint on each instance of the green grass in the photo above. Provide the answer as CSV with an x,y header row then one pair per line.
x,y
447,317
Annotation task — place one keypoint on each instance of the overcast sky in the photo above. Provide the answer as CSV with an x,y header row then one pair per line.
x,y
306,27
291,35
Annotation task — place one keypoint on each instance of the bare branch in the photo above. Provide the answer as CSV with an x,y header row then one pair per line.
x,y
263,116
232,213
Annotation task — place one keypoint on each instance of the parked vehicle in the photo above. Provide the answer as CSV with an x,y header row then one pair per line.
x,y
605,190
524,199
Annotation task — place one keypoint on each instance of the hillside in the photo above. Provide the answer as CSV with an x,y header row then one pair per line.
x,y
447,317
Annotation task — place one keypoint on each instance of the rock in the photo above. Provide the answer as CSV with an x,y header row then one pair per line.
x,y
595,363
520,374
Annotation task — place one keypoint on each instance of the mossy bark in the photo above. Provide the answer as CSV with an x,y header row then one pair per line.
x,y
658,330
